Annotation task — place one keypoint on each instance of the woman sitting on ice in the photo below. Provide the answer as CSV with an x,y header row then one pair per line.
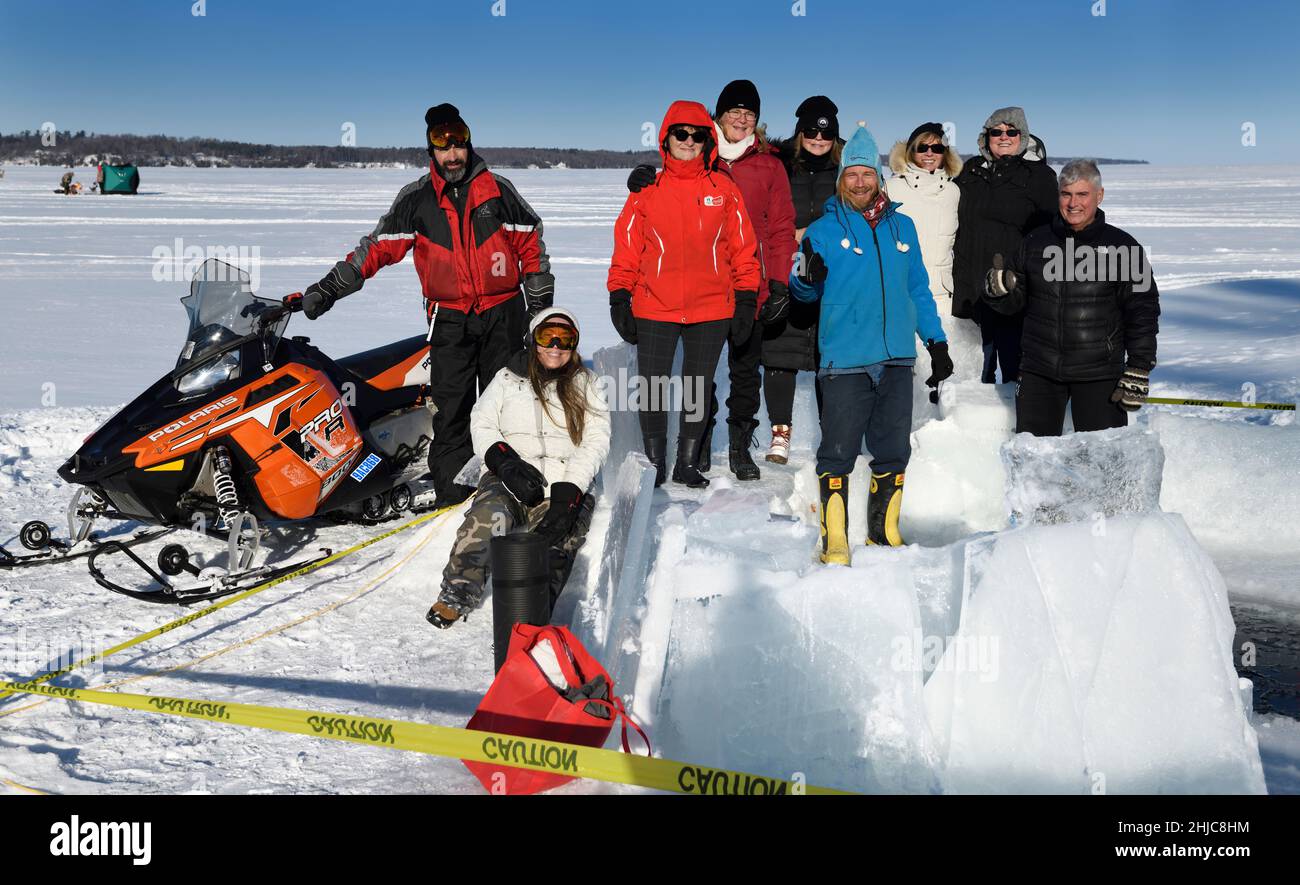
x,y
542,422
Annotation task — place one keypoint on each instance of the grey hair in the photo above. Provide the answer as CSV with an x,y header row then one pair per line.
x,y
1079,170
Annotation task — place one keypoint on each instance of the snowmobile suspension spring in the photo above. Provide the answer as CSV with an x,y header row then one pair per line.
x,y
224,483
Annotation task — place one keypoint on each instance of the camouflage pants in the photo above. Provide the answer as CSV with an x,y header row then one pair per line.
x,y
494,511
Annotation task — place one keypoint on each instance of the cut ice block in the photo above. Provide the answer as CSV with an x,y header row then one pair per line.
x,y
1083,476
1113,668
735,524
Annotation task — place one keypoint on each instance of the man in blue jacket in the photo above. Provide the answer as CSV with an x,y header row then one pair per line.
x,y
862,260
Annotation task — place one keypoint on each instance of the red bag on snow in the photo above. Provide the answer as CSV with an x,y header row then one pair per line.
x,y
524,701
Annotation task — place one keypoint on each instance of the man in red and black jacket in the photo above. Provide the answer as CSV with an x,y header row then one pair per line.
x,y
477,244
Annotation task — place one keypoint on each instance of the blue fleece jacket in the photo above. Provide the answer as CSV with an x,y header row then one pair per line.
x,y
876,296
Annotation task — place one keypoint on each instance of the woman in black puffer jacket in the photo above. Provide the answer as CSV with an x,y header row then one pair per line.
x,y
1005,193
812,159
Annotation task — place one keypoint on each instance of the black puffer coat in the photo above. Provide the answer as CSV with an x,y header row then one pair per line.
x,y
1001,200
1083,323
792,343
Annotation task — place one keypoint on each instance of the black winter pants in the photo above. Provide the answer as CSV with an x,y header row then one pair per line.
x,y
778,393
466,352
655,347
742,367
1040,405
857,407
1000,335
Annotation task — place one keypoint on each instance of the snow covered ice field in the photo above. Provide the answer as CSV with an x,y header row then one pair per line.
x,y
1059,650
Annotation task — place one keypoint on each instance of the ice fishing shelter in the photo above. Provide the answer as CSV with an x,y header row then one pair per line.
x,y
120,179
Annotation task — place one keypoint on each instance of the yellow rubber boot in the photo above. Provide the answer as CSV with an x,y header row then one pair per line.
x,y
883,509
835,519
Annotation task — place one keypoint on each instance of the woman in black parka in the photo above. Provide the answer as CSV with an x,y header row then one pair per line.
x,y
1005,193
812,159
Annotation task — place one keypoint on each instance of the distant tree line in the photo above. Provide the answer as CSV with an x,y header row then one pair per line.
x,y
83,148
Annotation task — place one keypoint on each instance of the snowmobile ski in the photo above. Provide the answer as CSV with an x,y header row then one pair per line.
x,y
48,550
211,582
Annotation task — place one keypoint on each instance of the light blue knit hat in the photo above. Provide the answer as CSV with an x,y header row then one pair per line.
x,y
861,150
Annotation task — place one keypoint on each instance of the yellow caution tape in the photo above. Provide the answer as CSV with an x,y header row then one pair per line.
x,y
1222,403
22,788
231,600
325,609
452,743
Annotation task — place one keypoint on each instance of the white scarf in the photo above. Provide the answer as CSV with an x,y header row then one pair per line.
x,y
731,151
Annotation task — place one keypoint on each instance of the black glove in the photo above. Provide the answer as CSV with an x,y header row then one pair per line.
x,y
813,268
940,362
642,176
343,279
1132,389
620,313
999,281
523,480
777,305
742,321
561,515
539,292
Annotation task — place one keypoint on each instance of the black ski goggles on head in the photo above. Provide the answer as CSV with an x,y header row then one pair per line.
x,y
1009,132
556,335
449,135
699,136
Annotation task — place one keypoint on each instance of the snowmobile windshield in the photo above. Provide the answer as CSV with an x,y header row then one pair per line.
x,y
224,311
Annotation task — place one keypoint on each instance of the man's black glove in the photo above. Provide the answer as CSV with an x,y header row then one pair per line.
x,y
1131,392
620,313
561,515
742,321
343,279
523,480
812,268
940,362
539,292
642,176
999,281
777,305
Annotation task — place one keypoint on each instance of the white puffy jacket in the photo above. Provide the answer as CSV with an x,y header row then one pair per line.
x,y
930,200
507,410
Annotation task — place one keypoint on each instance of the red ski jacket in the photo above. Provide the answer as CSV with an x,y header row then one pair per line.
x,y
466,262
684,246
765,186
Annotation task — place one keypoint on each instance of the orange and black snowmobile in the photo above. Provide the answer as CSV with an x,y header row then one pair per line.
x,y
249,428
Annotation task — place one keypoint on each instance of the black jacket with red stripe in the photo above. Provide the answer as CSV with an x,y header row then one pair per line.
x,y
467,259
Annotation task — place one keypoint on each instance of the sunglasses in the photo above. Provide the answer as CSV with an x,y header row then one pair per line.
x,y
1008,132
814,132
563,337
449,137
933,148
699,136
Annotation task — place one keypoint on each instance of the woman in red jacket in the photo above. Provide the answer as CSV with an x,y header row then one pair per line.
x,y
685,266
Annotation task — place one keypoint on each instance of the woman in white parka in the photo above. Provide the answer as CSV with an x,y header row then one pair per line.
x,y
924,168
541,422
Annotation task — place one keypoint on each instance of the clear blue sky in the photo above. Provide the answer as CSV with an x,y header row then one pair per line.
x,y
1163,80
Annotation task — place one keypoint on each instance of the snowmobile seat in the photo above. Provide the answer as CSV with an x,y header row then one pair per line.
x,y
370,363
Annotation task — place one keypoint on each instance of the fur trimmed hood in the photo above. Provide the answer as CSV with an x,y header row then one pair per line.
x,y
898,160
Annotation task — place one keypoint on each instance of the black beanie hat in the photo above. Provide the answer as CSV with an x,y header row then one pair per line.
x,y
440,115
931,128
818,112
737,94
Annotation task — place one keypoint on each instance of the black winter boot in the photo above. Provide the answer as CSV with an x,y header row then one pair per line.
x,y
656,449
740,439
685,470
883,508
705,461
